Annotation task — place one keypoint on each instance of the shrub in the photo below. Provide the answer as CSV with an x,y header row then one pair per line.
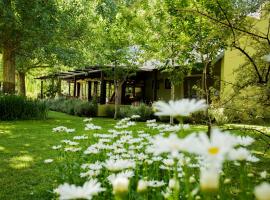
x,y
146,112
16,107
143,110
85,109
109,111
73,106
250,105
218,115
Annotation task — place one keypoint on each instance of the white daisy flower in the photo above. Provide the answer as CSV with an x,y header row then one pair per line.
x,y
155,183
209,180
87,120
120,185
57,147
69,142
93,166
239,154
48,161
90,173
81,137
262,191
70,130
171,144
87,191
213,149
125,174
263,174
135,116
59,129
118,165
142,186
91,127
245,140
73,149
151,121
183,107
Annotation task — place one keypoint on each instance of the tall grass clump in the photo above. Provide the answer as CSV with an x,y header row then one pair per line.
x,y
14,107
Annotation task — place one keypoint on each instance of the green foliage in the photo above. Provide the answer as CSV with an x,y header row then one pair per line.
x,y
250,105
219,116
17,107
143,110
73,106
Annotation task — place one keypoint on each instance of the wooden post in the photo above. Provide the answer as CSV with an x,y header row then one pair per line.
x,y
102,90
41,89
89,90
75,85
78,89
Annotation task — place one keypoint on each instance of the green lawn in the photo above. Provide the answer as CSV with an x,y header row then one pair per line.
x,y
24,145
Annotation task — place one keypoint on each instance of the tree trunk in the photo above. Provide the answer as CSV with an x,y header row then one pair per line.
x,y
117,97
8,69
206,91
22,90
172,93
172,98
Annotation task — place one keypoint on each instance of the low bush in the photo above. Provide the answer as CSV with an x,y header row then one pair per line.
x,y
73,106
14,107
143,110
218,116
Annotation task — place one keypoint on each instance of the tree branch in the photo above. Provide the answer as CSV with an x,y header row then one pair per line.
x,y
252,62
225,24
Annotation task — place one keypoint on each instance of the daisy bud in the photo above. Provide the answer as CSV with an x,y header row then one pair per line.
x,y
142,186
120,185
209,180
192,179
227,180
263,174
262,191
174,184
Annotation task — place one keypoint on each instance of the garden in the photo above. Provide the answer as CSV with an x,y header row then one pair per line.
x,y
83,158
135,100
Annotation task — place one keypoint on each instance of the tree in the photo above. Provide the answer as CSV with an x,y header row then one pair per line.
x,y
240,20
232,16
23,24
42,33
117,30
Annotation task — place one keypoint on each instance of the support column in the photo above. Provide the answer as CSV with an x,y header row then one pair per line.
x,y
78,89
75,86
95,88
102,90
89,90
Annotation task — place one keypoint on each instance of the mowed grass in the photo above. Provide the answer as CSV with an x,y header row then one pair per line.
x,y
24,145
